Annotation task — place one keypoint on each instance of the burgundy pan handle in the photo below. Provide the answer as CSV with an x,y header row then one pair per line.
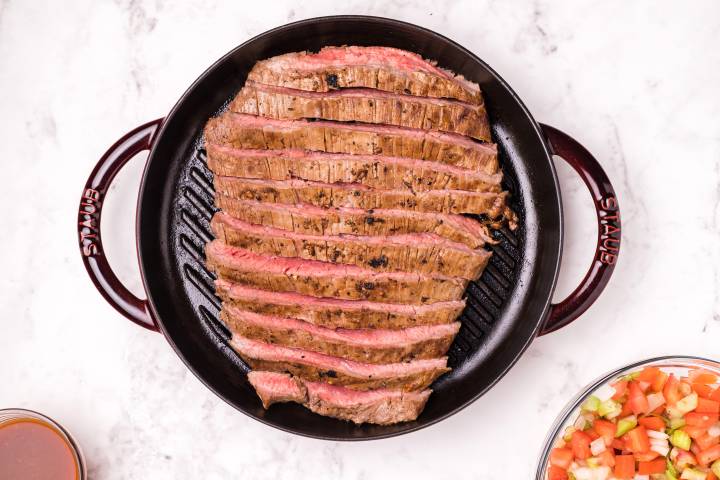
x,y
608,218
91,203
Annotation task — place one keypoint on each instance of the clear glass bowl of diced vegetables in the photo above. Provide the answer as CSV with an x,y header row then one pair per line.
x,y
652,420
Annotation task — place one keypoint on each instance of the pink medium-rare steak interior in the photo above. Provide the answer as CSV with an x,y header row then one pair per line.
x,y
401,239
239,291
307,156
275,353
360,56
251,121
247,261
372,338
347,397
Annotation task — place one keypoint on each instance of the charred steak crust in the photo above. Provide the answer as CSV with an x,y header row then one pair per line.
x,y
321,279
419,252
314,367
493,205
364,105
308,219
368,67
336,313
368,346
247,131
382,407
376,171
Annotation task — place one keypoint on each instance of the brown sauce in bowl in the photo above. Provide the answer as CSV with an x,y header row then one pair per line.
x,y
31,449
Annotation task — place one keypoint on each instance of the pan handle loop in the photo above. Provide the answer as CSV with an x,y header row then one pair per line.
x,y
89,212
608,219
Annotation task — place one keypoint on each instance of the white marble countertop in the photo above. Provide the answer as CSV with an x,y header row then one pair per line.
x,y
636,82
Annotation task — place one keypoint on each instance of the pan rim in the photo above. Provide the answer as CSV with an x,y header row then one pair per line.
x,y
536,130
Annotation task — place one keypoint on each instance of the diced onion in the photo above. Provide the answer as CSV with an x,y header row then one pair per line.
x,y
641,477
597,446
662,450
605,392
655,400
714,431
656,434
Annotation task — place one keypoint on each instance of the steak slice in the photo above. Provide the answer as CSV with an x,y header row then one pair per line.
x,y
312,366
364,105
413,252
375,171
321,279
354,195
335,313
383,68
364,345
248,131
309,219
381,407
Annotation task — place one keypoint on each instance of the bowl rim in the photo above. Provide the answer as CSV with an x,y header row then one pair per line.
x,y
572,406
24,413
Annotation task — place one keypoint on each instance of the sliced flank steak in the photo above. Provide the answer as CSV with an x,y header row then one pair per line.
x,y
321,279
248,131
411,252
313,366
362,345
375,171
354,195
336,313
364,105
380,407
382,68
309,219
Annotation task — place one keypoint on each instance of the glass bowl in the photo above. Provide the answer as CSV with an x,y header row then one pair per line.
x,y
15,414
672,364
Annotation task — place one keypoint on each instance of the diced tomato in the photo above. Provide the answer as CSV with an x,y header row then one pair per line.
x,y
556,473
671,390
620,389
707,406
703,390
648,374
646,457
626,410
638,440
618,444
694,432
716,395
704,420
659,382
694,449
561,457
711,476
606,430
706,441
684,459
607,458
654,466
705,457
592,433
637,399
702,376
652,423
581,445
624,466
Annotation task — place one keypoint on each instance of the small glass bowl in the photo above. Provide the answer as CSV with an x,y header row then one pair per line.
x,y
14,414
672,364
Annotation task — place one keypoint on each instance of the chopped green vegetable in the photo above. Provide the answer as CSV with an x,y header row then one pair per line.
x,y
591,404
692,474
680,439
609,409
625,425
687,404
630,376
568,433
670,469
593,462
716,468
676,423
